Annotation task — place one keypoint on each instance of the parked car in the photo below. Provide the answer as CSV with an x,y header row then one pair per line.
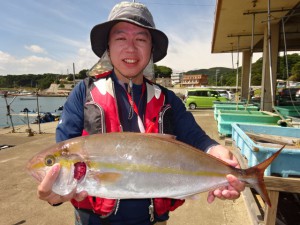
x,y
289,94
228,94
295,84
202,98
297,95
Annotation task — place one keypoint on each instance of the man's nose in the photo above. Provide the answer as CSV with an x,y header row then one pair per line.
x,y
131,45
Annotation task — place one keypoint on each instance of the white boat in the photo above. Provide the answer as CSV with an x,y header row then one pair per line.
x,y
27,98
31,114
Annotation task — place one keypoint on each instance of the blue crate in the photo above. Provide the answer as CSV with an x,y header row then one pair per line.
x,y
286,164
229,103
287,111
234,107
227,117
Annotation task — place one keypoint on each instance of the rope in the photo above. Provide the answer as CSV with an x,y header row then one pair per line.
x,y
270,62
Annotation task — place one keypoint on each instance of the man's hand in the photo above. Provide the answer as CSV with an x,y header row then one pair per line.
x,y
45,192
235,187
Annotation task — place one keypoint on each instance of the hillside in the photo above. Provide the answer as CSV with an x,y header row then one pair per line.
x,y
211,71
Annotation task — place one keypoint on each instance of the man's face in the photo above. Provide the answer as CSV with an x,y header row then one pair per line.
x,y
129,49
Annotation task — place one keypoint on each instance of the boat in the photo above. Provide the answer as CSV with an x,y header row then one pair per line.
x,y
57,113
26,112
27,98
45,118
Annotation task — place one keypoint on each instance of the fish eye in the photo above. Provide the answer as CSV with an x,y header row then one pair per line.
x,y
49,160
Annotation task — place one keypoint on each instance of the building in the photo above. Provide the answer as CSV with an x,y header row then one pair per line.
x,y
195,80
164,81
176,78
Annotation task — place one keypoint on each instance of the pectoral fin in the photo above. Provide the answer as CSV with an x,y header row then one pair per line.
x,y
107,177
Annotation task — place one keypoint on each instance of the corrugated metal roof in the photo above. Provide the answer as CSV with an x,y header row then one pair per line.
x,y
234,19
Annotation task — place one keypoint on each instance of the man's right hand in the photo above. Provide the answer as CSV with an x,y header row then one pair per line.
x,y
44,190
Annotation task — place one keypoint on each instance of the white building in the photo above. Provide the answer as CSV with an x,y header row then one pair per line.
x,y
176,78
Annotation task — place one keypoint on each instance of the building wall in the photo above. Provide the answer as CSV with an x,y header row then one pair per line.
x,y
195,80
176,78
166,82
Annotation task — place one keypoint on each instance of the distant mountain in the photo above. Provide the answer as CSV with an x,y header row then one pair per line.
x,y
227,76
211,71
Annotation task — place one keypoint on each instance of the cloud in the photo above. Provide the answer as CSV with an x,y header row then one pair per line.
x,y
195,53
5,58
27,65
35,49
186,55
86,58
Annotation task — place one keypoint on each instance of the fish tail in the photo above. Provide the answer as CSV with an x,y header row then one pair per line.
x,y
255,176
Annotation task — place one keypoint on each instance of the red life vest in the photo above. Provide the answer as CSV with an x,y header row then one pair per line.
x,y
101,115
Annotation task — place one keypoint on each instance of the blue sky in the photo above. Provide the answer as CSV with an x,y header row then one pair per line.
x,y
48,36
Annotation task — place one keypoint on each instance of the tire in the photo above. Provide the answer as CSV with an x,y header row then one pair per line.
x,y
192,106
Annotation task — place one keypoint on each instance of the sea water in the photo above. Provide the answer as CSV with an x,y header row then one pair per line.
x,y
18,104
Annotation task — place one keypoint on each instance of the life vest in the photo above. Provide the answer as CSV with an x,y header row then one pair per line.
x,y
101,116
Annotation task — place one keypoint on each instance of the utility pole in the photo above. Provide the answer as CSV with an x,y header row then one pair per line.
x,y
38,111
8,111
74,74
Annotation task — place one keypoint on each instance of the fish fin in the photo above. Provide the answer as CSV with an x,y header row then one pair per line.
x,y
164,136
190,196
107,177
257,182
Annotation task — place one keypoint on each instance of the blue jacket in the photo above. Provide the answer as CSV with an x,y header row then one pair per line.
x,y
185,129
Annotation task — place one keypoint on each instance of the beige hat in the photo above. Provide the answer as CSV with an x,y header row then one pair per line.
x,y
137,14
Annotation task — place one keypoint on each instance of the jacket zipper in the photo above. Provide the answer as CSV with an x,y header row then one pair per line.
x,y
161,115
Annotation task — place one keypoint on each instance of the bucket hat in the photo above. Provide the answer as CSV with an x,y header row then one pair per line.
x,y
135,13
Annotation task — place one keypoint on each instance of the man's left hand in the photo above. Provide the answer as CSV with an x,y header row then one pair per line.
x,y
235,187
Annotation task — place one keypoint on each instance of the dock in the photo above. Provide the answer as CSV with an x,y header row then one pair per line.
x,y
20,205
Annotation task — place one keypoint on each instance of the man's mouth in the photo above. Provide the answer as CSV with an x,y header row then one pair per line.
x,y
130,61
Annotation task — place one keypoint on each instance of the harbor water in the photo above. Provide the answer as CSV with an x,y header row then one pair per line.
x,y
19,103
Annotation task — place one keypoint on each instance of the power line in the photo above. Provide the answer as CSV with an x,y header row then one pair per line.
x,y
176,4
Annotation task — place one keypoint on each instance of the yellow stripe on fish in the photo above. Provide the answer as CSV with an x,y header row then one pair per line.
x,y
152,169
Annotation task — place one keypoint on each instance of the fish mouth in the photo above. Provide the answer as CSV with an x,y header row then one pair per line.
x,y
38,175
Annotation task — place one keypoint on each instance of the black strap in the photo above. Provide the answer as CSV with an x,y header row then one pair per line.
x,y
57,204
105,221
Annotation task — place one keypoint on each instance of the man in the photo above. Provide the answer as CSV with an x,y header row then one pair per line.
x,y
117,97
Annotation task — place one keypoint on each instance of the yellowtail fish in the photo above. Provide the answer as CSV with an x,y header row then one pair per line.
x,y
135,165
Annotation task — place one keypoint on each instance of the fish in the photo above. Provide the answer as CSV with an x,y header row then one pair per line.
x,y
128,165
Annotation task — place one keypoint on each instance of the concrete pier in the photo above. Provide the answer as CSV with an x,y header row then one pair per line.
x,y
20,205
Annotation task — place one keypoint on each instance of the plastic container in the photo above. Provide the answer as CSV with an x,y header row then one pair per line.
x,y
288,161
227,117
232,107
287,111
229,103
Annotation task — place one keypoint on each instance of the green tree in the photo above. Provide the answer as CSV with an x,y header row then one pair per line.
x,y
296,72
256,76
282,69
70,77
82,74
162,71
61,85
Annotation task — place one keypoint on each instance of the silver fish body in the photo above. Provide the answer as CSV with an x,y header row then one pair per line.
x,y
135,165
